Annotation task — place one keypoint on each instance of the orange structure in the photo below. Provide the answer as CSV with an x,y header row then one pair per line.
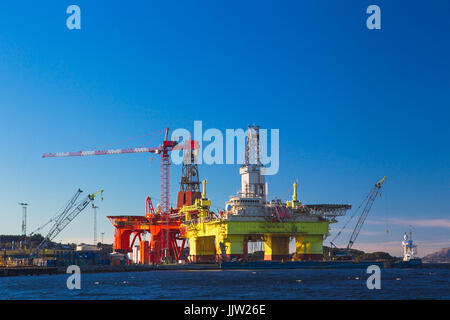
x,y
133,227
163,224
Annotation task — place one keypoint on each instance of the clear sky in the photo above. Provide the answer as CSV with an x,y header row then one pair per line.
x,y
352,104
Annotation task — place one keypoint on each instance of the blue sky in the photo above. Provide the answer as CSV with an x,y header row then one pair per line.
x,y
352,104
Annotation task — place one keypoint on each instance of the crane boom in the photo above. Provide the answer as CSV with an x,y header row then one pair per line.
x,y
70,212
61,214
99,152
368,205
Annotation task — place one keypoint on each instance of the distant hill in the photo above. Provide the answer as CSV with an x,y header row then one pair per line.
x,y
375,256
355,253
16,242
13,242
441,256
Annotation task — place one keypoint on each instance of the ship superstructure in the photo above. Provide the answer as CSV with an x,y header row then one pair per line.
x,y
409,248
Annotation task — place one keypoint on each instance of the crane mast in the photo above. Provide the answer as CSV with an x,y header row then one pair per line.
x,y
165,196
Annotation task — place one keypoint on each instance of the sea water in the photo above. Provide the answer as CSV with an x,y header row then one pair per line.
x,y
234,284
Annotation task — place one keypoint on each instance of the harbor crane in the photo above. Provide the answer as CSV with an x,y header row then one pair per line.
x,y
367,202
63,218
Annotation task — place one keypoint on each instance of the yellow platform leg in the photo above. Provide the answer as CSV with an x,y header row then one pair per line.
x,y
234,246
202,249
276,247
309,247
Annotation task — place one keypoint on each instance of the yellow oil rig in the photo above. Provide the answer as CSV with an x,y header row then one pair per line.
x,y
251,217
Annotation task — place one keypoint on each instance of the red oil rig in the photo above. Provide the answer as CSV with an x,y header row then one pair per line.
x,y
163,223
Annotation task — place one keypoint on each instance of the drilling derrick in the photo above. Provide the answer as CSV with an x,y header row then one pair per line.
x,y
252,182
190,183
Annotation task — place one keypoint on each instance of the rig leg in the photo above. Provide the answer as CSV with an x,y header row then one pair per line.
x,y
276,247
122,240
144,252
202,249
235,246
309,247
245,249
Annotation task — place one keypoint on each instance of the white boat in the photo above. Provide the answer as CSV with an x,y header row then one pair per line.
x,y
409,248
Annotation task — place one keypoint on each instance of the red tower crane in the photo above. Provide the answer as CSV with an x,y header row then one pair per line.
x,y
161,224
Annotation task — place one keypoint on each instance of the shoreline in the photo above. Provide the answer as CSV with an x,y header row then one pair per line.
x,y
35,270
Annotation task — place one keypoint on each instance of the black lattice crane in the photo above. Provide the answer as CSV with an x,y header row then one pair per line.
x,y
63,218
366,205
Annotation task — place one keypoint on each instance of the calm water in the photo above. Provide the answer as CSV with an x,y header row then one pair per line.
x,y
248,284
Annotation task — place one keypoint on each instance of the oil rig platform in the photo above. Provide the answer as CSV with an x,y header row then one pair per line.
x,y
249,216
224,235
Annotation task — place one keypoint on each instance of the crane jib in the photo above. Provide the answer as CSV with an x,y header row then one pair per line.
x,y
367,205
99,152
70,212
